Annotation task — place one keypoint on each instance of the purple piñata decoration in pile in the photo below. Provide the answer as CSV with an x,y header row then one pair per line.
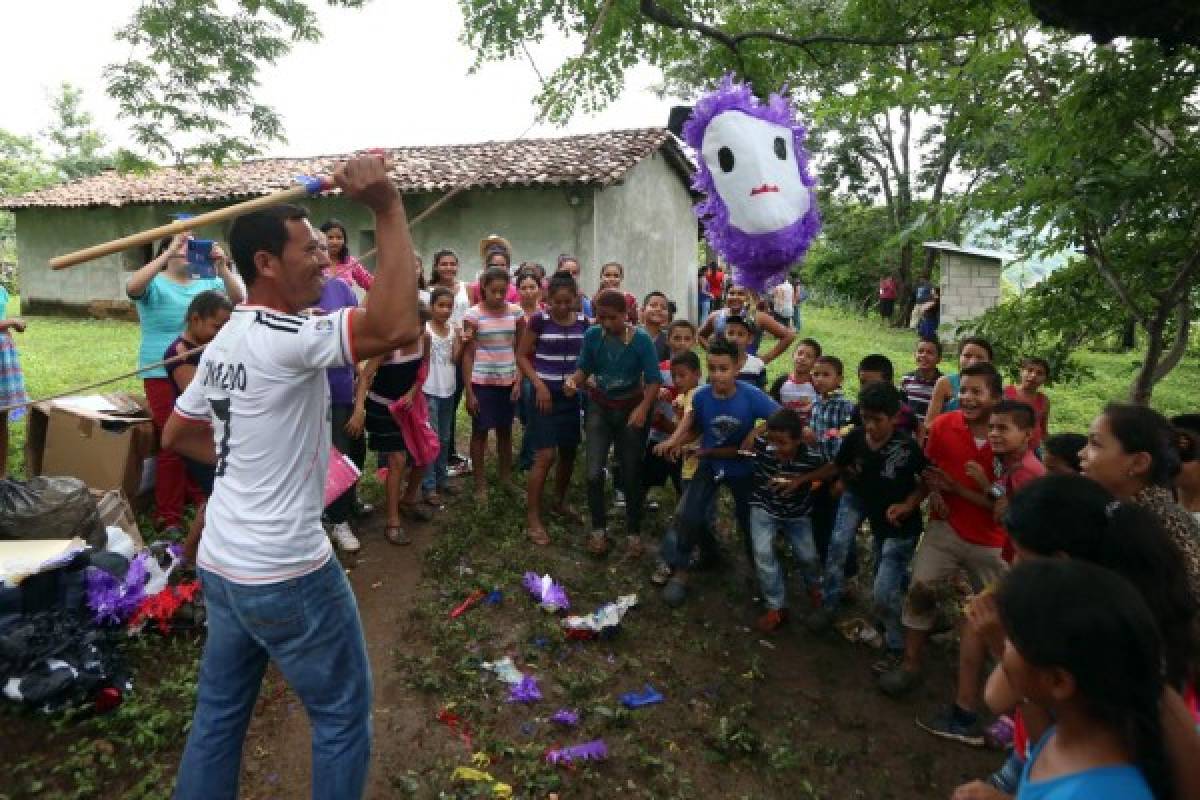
x,y
595,750
114,600
759,211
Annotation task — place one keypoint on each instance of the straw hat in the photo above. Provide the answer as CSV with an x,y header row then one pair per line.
x,y
492,241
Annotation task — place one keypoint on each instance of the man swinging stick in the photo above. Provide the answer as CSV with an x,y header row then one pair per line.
x,y
258,410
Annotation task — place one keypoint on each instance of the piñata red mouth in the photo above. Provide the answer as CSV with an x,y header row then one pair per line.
x,y
766,187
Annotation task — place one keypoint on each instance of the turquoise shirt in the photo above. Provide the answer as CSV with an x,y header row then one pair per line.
x,y
162,309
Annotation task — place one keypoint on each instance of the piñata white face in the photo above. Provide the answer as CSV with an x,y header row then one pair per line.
x,y
754,170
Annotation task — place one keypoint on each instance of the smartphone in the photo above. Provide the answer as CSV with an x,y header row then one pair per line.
x,y
199,258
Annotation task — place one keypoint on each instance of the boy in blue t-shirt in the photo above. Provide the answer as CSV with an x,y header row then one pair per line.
x,y
722,416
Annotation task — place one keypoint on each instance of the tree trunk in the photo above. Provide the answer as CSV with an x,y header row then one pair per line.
x,y
904,284
1129,336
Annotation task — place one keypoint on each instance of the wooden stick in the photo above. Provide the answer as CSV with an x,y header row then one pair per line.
x,y
179,226
441,201
76,390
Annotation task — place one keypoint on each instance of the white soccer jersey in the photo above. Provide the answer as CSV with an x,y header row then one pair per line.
x,y
261,385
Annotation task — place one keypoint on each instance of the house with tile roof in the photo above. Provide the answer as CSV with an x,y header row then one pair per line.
x,y
616,196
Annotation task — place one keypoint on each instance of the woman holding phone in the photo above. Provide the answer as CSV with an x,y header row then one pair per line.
x,y
162,291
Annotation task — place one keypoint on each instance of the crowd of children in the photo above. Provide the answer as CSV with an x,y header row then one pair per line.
x,y
1081,552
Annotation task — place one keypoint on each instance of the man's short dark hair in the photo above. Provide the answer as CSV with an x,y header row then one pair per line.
x,y
786,420
879,398
688,359
877,362
666,300
832,361
738,319
986,370
812,343
260,231
1022,414
933,340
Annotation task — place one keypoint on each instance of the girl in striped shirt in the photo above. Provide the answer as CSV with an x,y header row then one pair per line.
x,y
547,355
491,330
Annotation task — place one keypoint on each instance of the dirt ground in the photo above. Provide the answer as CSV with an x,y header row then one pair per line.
x,y
793,716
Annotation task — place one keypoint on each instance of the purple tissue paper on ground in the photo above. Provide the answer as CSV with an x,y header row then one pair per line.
x,y
565,716
526,691
648,697
595,750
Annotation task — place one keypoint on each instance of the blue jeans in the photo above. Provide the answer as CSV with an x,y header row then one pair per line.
x,y
796,317
309,627
441,419
709,549
850,514
693,516
892,558
705,305
799,533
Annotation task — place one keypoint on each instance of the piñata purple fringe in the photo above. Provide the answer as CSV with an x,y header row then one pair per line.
x,y
760,261
526,691
114,601
595,750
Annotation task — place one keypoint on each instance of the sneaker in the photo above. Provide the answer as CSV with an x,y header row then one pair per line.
x,y
820,620
898,682
618,498
653,506
954,724
459,469
345,538
674,593
662,574
772,621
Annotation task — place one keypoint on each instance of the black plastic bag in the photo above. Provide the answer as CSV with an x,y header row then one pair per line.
x,y
50,508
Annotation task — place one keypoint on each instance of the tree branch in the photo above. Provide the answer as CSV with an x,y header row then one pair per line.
x,y
1095,252
1171,359
668,19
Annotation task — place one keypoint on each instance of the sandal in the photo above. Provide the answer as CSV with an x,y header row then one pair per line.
x,y
538,536
396,535
597,543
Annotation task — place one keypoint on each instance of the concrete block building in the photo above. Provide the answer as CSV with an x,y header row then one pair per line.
x,y
970,282
616,196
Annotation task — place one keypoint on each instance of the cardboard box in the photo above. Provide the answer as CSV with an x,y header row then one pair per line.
x,y
104,440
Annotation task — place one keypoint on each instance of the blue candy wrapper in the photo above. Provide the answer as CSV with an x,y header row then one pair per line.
x,y
648,697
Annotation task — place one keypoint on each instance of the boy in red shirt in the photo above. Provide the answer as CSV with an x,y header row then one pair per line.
x,y
1010,434
962,533
1034,374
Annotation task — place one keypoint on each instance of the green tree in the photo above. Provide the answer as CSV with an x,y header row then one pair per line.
x,y
187,88
23,168
77,147
1105,160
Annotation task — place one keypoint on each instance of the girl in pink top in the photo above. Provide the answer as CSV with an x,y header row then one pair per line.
x,y
345,266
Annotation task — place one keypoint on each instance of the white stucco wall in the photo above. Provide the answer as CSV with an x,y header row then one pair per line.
x,y
645,222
